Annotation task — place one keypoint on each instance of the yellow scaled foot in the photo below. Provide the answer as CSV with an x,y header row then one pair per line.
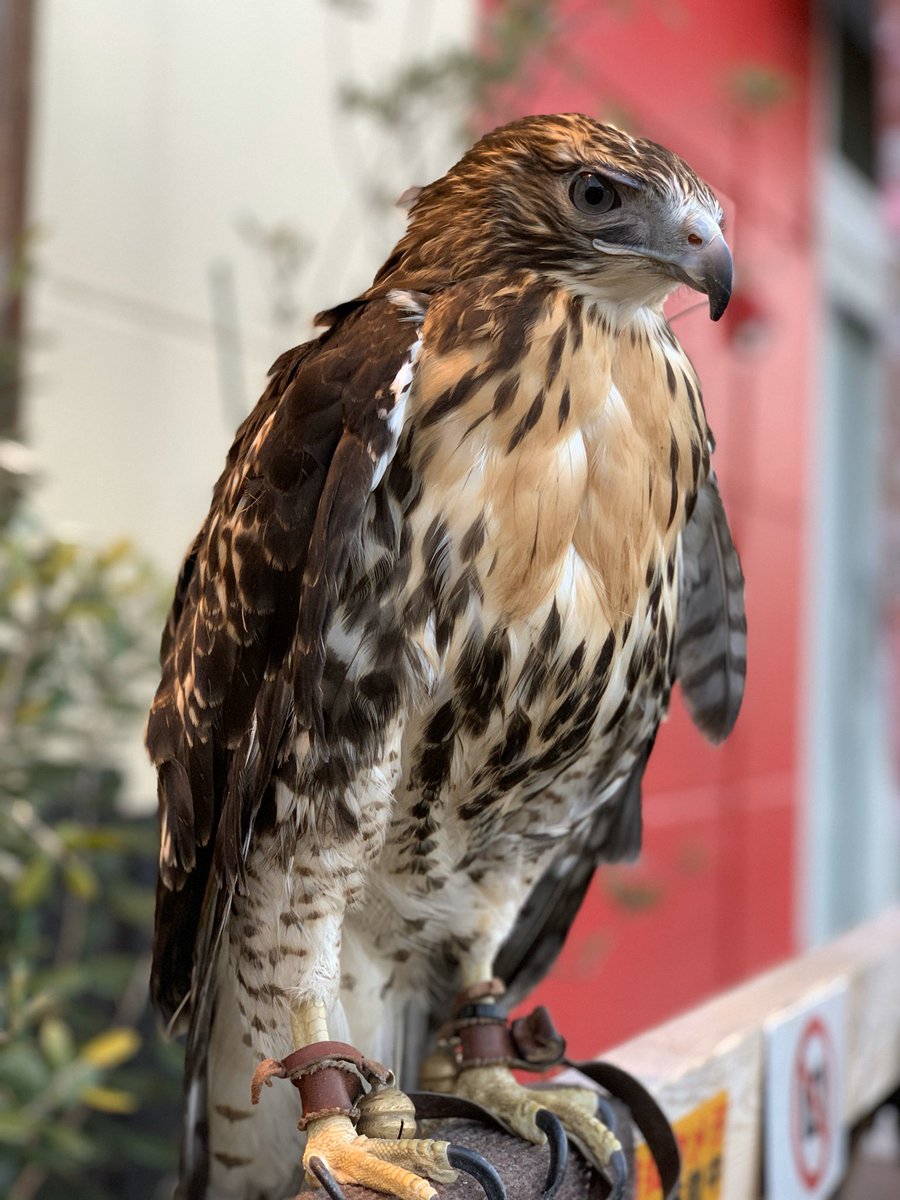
x,y
496,1089
385,1165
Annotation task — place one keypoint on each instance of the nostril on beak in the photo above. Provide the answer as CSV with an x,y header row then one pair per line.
x,y
695,239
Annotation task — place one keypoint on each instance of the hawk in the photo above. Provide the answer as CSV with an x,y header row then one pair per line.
x,y
419,651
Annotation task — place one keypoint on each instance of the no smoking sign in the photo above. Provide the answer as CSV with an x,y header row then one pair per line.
x,y
804,1135
812,1103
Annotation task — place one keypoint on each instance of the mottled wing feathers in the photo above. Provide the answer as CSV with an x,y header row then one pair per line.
x,y
244,646
206,643
337,523
711,643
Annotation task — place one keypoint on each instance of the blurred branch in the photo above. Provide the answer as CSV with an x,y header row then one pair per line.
x,y
514,30
283,252
757,87
356,8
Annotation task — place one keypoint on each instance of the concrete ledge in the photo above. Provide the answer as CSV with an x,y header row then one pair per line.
x,y
720,1047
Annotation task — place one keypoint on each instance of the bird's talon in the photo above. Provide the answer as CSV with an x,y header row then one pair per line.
x,y
336,1154
325,1178
606,1114
526,1112
551,1126
479,1168
617,1174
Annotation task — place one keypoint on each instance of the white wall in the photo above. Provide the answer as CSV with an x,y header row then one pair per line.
x,y
159,126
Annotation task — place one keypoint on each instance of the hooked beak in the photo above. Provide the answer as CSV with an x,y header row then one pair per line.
x,y
707,266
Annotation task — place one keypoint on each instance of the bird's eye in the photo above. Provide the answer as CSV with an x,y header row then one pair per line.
x,y
592,195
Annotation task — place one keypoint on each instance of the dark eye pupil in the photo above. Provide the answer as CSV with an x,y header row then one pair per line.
x,y
591,194
594,192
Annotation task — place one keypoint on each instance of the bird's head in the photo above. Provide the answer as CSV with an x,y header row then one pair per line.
x,y
614,217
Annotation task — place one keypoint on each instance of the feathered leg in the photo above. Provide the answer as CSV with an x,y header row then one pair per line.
x,y
284,950
252,1151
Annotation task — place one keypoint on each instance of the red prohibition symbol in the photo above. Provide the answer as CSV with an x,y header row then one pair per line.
x,y
812,1088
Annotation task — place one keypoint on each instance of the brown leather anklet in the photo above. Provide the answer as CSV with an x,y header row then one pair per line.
x,y
479,1038
330,1077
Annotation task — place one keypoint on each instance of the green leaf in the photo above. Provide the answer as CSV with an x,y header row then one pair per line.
x,y
56,1041
110,1100
33,885
80,837
111,1048
80,879
114,553
16,1127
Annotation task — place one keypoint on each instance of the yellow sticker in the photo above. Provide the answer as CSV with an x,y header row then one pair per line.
x,y
701,1136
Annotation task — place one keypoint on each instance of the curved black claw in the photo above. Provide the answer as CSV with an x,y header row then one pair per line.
x,y
617,1172
607,1114
617,1168
462,1159
325,1177
558,1143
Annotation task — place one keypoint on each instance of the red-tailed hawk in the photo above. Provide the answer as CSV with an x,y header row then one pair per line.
x,y
420,648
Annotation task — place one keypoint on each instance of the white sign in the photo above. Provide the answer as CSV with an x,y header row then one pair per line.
x,y
805,1138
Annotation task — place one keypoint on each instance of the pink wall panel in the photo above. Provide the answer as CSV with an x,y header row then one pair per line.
x,y
647,937
712,898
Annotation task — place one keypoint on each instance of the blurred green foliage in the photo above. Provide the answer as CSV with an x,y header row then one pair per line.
x,y
88,1101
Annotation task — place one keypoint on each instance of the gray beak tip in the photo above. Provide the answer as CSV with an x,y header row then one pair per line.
x,y
718,302
718,278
